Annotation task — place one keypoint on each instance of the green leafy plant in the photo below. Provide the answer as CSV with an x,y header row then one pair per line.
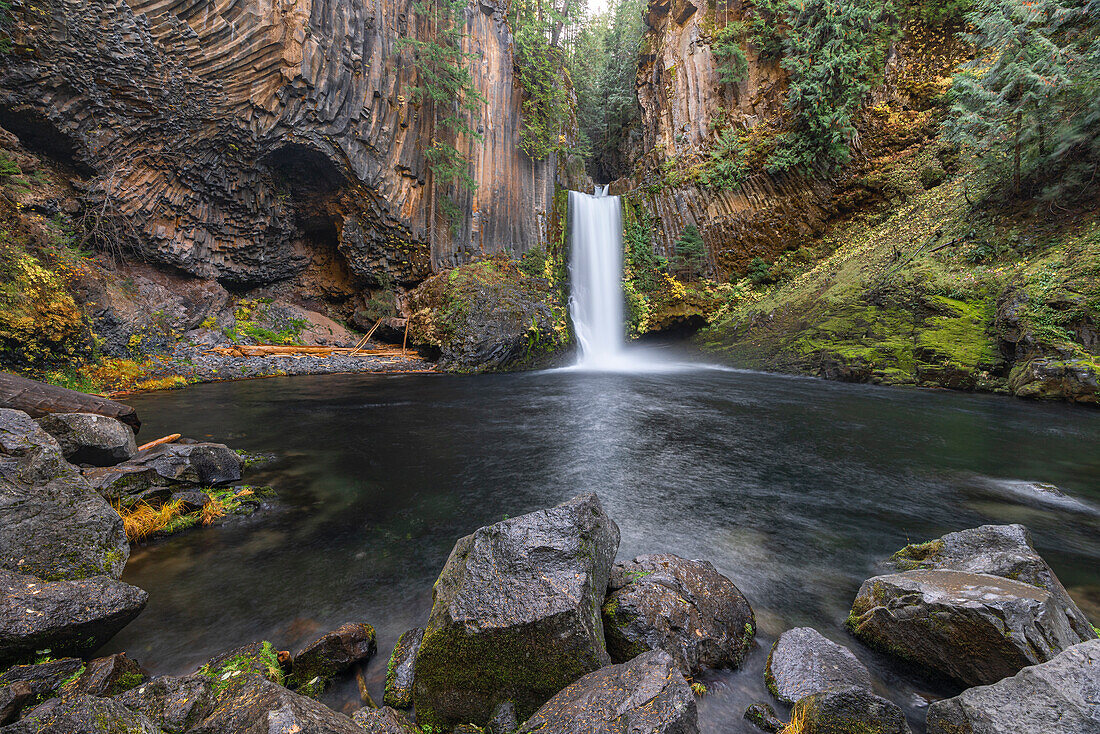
x,y
690,253
726,44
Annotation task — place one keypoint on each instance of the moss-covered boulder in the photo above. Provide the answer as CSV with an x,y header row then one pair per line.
x,y
487,316
65,617
319,662
26,685
803,662
516,614
87,438
1076,379
384,721
648,694
108,676
1056,697
401,669
55,526
998,550
686,608
974,629
84,714
853,710
174,704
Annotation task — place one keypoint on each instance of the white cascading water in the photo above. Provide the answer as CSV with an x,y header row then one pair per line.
x,y
596,273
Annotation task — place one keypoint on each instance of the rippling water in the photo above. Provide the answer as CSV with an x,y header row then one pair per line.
x,y
792,487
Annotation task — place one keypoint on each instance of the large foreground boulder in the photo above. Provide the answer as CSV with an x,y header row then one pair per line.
x,y
853,710
516,614
65,617
87,438
82,714
803,662
973,628
648,694
1061,696
206,464
173,704
686,608
999,550
54,525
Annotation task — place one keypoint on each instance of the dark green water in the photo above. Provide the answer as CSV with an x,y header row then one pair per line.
x,y
793,488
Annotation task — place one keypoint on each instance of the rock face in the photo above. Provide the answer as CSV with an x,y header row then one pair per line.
x,y
399,672
333,653
1061,696
686,608
647,694
846,710
173,704
973,628
803,662
516,614
384,721
86,438
81,713
206,464
55,526
999,550
62,616
271,141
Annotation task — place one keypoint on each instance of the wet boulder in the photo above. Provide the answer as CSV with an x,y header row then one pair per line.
x,y
973,628
66,617
998,550
109,676
399,672
803,662
54,525
686,608
847,710
646,694
46,678
80,713
205,464
87,438
331,654
174,704
125,483
763,717
503,720
384,721
12,700
259,658
1061,696
516,614
251,703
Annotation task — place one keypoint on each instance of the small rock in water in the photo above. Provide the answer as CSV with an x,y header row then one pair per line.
x,y
399,672
763,717
205,464
648,694
332,654
848,710
686,608
803,662
1061,696
87,438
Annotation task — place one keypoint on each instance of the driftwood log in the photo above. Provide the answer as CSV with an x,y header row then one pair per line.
x,y
37,399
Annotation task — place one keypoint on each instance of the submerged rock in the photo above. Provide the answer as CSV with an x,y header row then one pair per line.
x,y
66,617
206,464
1061,696
87,438
803,662
174,704
972,628
999,550
54,525
109,676
648,694
334,652
848,710
80,714
686,608
399,672
384,721
516,614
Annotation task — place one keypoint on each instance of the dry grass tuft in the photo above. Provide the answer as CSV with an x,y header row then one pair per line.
x,y
212,511
797,724
144,520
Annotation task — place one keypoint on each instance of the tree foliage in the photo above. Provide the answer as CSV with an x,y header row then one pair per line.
x,y
690,253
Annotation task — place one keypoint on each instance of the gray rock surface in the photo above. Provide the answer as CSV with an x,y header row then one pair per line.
x,y
503,720
686,608
763,717
43,678
125,482
384,721
333,653
803,661
12,700
54,525
109,676
999,550
82,714
399,672
1061,696
648,694
65,617
173,704
250,703
849,711
516,614
205,464
87,438
972,628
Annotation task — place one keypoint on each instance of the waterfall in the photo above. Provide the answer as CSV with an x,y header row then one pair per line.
x,y
596,272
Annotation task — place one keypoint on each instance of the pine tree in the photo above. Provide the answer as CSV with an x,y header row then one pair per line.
x,y
690,256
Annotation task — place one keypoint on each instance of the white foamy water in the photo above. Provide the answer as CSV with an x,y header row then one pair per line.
x,y
596,271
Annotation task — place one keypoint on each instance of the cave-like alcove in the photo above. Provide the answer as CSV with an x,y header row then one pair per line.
x,y
38,134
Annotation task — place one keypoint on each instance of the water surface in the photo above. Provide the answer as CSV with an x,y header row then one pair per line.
x,y
794,488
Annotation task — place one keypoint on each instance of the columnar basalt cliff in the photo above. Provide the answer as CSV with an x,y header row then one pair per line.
x,y
252,141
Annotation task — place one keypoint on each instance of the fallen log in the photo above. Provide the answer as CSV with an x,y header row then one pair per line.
x,y
37,399
159,441
268,350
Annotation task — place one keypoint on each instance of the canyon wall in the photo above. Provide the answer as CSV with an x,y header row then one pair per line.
x,y
255,141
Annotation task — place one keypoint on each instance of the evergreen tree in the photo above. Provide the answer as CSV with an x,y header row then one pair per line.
x,y
690,258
